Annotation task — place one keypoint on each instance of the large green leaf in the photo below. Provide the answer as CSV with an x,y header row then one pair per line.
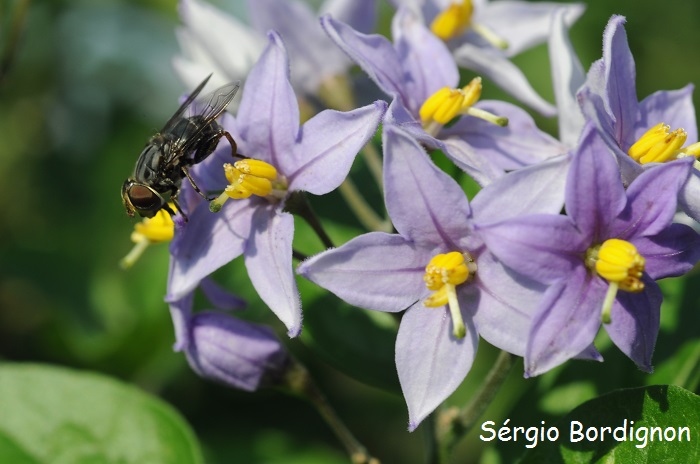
x,y
654,419
58,415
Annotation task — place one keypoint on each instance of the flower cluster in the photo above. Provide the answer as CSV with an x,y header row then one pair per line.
x,y
567,235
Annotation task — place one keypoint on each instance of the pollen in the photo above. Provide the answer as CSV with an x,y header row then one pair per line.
x,y
449,268
446,104
453,21
660,144
442,275
246,178
160,228
619,262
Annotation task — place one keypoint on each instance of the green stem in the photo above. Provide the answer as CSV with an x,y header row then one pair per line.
x,y
364,213
374,163
13,37
299,382
299,205
336,92
453,424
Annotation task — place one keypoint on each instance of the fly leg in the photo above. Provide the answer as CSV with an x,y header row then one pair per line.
x,y
177,207
186,172
234,145
173,197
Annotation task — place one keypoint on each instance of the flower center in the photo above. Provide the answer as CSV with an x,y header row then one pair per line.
x,y
442,275
446,104
250,177
157,229
660,144
456,18
453,21
618,262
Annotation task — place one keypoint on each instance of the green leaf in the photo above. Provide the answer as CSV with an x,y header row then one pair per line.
x,y
642,413
563,398
58,415
682,368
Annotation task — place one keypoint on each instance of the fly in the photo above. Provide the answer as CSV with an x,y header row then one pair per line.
x,y
188,138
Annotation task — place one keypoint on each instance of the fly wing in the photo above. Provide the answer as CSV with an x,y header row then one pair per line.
x,y
175,118
216,102
205,110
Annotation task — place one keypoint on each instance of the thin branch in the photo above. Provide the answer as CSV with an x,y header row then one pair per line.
x,y
453,424
299,382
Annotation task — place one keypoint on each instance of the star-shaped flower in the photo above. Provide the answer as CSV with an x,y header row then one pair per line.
x,y
420,75
213,41
640,134
216,43
282,158
437,268
484,35
601,260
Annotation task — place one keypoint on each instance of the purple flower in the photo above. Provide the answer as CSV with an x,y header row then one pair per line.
x,y
315,58
420,74
483,36
283,158
640,134
215,42
610,240
225,349
438,268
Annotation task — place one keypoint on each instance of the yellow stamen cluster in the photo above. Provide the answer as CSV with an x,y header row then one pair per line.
x,y
249,177
446,104
453,21
619,262
456,18
159,228
442,275
660,144
246,178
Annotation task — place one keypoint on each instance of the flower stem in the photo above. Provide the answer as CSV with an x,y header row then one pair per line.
x,y
299,382
12,39
336,92
374,163
299,205
364,213
298,255
453,424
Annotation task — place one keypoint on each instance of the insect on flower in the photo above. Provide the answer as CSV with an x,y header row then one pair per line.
x,y
188,138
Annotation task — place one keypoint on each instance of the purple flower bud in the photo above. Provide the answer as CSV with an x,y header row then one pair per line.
x,y
234,352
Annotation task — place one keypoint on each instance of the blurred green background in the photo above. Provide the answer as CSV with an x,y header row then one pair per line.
x,y
87,84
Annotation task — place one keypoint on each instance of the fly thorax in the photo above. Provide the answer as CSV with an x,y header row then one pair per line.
x,y
442,275
620,264
251,177
447,104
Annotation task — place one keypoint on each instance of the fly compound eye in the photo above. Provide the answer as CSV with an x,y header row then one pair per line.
x,y
145,200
